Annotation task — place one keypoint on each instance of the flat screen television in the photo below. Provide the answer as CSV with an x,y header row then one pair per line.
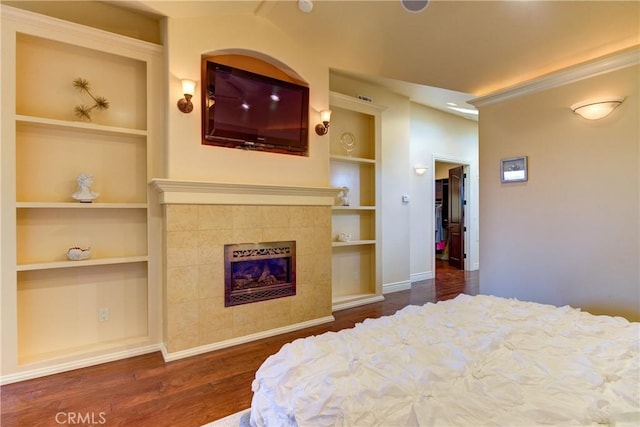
x,y
242,109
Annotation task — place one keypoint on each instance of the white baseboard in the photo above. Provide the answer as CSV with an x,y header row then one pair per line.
x,y
70,366
168,357
425,275
396,287
357,302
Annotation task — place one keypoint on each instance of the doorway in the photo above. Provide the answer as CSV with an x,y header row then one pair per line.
x,y
450,183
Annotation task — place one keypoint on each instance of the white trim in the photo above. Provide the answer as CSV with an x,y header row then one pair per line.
x,y
79,32
356,104
200,192
169,357
425,275
594,68
356,302
70,366
396,287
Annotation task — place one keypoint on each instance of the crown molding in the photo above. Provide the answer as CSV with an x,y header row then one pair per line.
x,y
607,64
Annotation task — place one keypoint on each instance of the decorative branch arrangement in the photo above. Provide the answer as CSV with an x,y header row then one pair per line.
x,y
83,111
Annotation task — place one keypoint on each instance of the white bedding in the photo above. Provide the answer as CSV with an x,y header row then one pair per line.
x,y
471,361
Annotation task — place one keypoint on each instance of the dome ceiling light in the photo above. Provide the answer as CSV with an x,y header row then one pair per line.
x,y
414,6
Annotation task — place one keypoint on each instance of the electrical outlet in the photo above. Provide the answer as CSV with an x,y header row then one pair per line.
x,y
103,314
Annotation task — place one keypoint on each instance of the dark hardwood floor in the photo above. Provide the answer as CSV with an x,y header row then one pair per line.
x,y
146,391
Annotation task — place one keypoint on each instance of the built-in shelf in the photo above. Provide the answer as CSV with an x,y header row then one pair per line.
x,y
84,263
78,205
354,243
354,208
356,264
350,159
83,126
51,305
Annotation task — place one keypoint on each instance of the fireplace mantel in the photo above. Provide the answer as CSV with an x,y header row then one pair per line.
x,y
220,193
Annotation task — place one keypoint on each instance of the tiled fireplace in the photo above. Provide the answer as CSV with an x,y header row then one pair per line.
x,y
202,219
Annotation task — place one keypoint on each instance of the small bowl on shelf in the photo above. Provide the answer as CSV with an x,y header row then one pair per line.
x,y
344,237
78,254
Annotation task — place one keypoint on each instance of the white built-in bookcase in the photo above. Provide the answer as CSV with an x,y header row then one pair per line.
x,y
51,306
356,268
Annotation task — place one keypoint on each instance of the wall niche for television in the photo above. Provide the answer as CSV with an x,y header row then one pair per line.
x,y
250,104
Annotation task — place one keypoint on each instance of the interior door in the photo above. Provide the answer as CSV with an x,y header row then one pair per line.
x,y
456,217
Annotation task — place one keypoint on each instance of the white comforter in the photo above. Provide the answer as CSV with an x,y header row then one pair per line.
x,y
470,361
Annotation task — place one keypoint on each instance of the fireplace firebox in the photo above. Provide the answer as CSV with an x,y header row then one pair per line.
x,y
259,271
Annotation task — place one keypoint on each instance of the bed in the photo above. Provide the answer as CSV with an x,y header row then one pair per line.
x,y
473,360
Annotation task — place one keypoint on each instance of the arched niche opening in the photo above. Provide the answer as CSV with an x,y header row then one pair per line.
x,y
254,102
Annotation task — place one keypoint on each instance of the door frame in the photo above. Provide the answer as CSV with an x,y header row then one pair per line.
x,y
467,224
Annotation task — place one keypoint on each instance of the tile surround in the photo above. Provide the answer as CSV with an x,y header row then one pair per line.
x,y
195,233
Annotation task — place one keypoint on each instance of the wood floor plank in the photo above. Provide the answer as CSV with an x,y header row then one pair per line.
x,y
145,391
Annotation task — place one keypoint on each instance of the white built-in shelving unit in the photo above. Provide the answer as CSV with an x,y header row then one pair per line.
x,y
51,306
356,267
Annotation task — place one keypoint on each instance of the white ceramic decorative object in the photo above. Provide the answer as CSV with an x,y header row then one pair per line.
x,y
344,237
344,196
84,193
78,254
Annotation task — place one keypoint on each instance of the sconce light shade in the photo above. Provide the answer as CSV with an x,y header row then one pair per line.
x,y
325,117
188,89
596,109
420,169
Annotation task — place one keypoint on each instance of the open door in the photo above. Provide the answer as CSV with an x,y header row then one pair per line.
x,y
456,217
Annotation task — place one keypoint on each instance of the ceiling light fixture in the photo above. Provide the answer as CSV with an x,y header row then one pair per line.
x,y
305,6
414,6
596,109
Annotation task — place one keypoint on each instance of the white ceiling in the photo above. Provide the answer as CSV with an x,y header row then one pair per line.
x,y
452,51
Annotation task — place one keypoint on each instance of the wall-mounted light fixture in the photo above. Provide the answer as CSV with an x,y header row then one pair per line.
x,y
323,128
420,169
188,89
596,109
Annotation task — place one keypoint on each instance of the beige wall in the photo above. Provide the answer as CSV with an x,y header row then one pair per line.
x,y
187,41
436,135
570,234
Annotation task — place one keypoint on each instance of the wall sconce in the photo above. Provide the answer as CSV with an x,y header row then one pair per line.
x,y
188,89
594,110
323,128
420,169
